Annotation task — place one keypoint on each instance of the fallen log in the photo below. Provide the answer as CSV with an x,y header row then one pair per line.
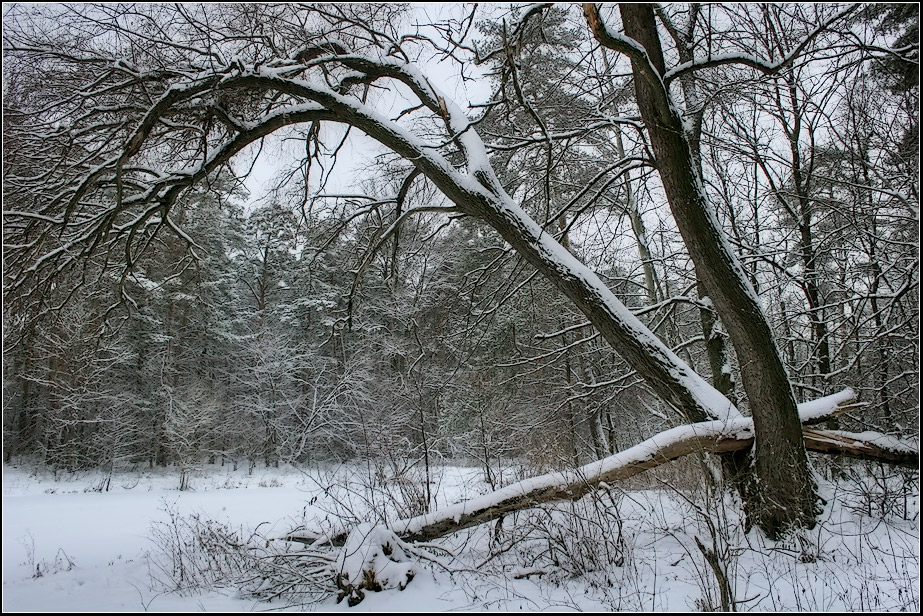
x,y
656,451
711,436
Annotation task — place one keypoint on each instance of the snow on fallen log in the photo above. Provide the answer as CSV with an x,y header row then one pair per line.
x,y
820,409
674,443
372,559
866,445
712,436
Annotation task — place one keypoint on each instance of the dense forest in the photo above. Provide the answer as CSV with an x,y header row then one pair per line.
x,y
641,217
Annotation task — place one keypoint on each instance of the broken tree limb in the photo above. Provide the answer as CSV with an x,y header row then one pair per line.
x,y
710,436
713,436
822,409
873,446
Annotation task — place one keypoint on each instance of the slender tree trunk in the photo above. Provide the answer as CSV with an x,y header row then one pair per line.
x,y
651,282
805,221
594,416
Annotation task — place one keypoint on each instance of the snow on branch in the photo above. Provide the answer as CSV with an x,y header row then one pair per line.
x,y
823,408
630,47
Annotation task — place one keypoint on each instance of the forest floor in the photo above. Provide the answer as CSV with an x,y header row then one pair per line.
x,y
69,544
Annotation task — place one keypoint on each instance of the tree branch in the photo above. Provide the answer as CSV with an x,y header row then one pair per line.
x,y
767,68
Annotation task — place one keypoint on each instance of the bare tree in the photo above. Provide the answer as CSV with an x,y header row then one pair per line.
x,y
199,92
780,458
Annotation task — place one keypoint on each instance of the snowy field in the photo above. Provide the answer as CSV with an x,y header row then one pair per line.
x,y
69,545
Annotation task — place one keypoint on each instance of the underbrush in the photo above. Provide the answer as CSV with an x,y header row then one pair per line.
x,y
679,542
194,554
41,567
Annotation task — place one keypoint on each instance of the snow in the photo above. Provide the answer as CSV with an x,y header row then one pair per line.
x,y
822,407
377,549
105,534
885,441
92,546
718,59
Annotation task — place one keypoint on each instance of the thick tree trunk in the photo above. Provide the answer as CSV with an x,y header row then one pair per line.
x,y
735,464
787,494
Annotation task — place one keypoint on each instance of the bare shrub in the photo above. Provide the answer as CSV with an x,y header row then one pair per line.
x,y
193,552
563,540
882,490
61,562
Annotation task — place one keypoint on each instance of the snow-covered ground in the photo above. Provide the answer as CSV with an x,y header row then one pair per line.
x,y
67,546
